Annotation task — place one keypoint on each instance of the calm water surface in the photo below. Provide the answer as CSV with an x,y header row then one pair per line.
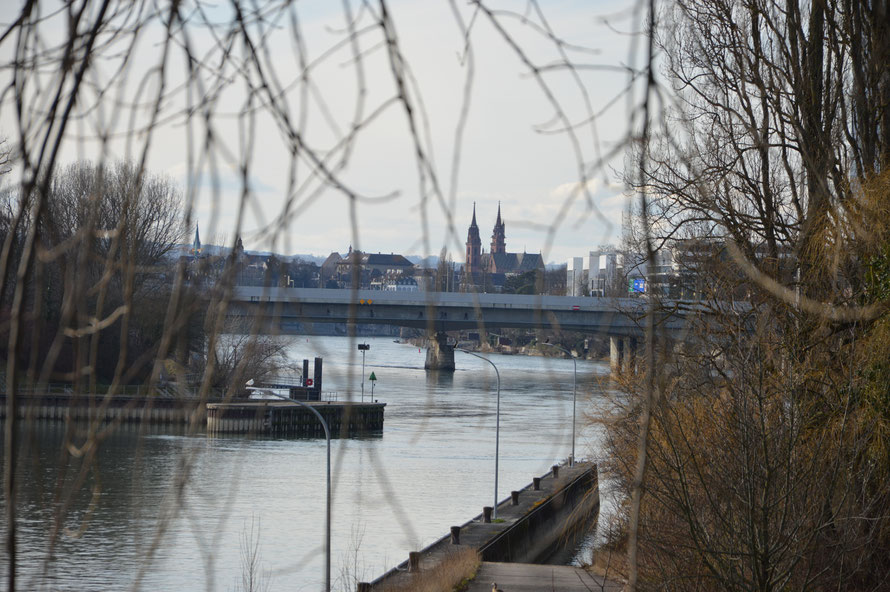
x,y
164,510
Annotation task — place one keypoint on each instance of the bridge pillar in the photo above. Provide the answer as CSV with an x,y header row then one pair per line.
x,y
615,344
623,355
439,355
629,353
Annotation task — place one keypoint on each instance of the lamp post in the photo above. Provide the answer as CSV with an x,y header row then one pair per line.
x,y
363,347
497,429
574,384
327,532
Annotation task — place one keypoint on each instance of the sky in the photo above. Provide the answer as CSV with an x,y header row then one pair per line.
x,y
511,152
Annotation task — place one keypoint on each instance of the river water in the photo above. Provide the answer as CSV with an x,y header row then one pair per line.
x,y
165,510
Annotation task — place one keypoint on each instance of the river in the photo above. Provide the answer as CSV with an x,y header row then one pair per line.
x,y
163,510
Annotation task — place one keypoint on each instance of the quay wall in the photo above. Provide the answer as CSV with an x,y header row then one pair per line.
x,y
272,418
533,525
550,525
59,407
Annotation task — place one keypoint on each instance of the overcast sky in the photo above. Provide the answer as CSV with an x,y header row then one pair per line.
x,y
506,155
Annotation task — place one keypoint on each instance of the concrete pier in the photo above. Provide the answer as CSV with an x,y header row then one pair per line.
x,y
439,355
623,355
615,344
542,523
629,361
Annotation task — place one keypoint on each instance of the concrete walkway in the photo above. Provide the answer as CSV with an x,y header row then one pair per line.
x,y
525,577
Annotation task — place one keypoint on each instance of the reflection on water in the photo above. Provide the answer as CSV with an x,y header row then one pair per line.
x,y
439,380
156,508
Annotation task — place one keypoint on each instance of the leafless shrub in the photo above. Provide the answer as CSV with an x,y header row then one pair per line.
x,y
253,577
457,567
241,355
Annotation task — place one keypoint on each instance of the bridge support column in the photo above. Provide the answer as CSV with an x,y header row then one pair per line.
x,y
439,355
629,353
615,344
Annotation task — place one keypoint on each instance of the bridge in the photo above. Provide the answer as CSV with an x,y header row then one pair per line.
x,y
286,309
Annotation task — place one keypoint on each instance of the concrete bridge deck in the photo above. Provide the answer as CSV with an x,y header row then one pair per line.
x,y
291,310
451,311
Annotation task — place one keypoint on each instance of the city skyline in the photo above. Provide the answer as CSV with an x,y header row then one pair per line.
x,y
511,152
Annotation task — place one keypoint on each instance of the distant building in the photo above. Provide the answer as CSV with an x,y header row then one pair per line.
x,y
372,270
405,284
612,272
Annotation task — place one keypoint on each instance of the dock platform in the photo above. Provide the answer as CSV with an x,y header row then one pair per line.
x,y
284,418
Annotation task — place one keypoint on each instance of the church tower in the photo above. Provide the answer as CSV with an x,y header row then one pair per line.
x,y
499,235
474,247
196,249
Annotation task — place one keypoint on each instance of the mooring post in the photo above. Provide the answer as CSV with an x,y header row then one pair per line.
x,y
414,561
486,514
555,469
514,496
455,535
536,483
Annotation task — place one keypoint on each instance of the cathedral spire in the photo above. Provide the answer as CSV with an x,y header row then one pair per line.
x,y
499,235
473,260
196,245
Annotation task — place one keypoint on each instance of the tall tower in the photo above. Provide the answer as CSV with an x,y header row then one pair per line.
x,y
196,244
499,235
474,247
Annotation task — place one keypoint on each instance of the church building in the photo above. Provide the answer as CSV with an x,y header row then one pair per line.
x,y
497,262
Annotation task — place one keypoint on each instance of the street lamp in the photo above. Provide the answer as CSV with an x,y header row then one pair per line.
x,y
497,429
327,533
363,347
574,383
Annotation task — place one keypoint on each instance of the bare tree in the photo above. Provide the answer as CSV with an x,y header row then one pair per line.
x,y
778,112
751,470
105,238
241,354
76,79
253,577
